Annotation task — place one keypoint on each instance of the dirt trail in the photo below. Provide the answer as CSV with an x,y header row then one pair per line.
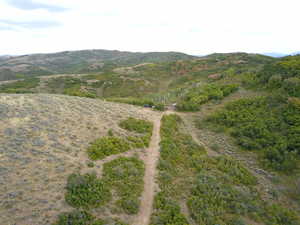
x,y
192,131
151,159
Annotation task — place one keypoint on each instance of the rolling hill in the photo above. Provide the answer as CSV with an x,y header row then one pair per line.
x,y
78,62
197,141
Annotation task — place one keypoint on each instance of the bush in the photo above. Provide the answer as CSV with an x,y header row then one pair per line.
x,y
19,87
107,146
139,102
195,97
270,125
125,177
75,218
292,86
84,218
167,212
86,191
137,125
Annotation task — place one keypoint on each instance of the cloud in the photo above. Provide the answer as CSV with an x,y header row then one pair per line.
x,y
193,26
14,25
31,5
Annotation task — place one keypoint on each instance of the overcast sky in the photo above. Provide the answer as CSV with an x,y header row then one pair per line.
x,y
190,26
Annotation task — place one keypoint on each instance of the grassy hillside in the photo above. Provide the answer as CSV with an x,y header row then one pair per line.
x,y
78,62
43,144
227,152
158,83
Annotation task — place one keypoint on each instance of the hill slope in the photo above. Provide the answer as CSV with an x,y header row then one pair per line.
x,y
43,140
78,62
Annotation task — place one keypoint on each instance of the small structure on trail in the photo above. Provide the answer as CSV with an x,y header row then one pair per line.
x,y
148,106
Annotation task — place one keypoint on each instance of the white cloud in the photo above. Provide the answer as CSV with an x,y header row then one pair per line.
x,y
195,27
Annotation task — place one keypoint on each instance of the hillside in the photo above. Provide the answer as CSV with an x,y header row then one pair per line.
x,y
42,143
78,62
219,146
163,79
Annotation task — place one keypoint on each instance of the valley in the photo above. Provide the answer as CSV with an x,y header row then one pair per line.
x,y
165,139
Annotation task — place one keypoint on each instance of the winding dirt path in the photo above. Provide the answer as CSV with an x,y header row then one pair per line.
x,y
150,186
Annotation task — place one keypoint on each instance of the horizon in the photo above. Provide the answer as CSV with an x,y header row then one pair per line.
x,y
269,53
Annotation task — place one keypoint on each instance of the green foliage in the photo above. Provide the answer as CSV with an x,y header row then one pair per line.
x,y
176,167
125,177
79,93
167,211
139,141
141,127
75,218
137,125
238,173
292,86
214,200
195,97
270,125
86,191
107,146
217,190
84,218
284,74
139,102
19,87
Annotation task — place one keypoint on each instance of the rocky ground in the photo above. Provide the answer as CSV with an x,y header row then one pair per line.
x,y
43,139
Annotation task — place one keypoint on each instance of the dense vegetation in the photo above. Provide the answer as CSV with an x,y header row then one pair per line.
x,y
107,146
270,125
86,191
111,145
84,218
197,96
122,176
177,149
283,75
136,125
125,177
216,190
139,102
162,83
22,86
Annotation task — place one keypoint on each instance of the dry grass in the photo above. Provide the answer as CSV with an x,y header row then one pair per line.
x,y
43,139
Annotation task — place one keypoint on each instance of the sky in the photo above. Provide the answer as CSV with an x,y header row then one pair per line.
x,y
195,27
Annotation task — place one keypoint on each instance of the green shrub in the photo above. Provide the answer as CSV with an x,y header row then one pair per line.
x,y
140,102
137,125
141,127
269,124
107,146
238,173
75,218
86,191
176,169
139,141
292,86
125,177
19,87
167,211
84,218
195,97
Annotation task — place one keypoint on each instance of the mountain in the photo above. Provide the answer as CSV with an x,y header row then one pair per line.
x,y
278,55
78,62
296,53
275,54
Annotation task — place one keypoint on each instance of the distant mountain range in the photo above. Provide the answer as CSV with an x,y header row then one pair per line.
x,y
278,54
85,61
